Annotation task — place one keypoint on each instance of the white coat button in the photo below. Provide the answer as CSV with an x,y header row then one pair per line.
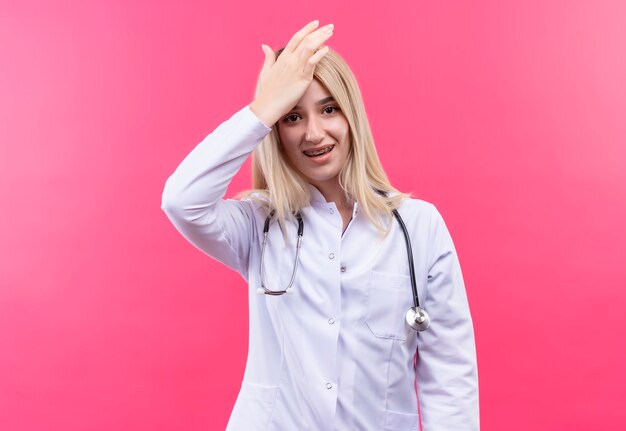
x,y
343,268
332,211
329,386
331,256
331,321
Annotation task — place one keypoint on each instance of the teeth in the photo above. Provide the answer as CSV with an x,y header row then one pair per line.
x,y
318,152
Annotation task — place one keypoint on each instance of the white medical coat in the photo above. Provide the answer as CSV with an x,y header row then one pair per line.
x,y
336,354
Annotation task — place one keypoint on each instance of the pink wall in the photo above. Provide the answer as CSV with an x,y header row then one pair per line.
x,y
509,116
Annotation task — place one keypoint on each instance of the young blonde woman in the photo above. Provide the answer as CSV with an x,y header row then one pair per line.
x,y
338,351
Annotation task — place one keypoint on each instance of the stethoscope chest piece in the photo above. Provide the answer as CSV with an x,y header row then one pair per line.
x,y
417,318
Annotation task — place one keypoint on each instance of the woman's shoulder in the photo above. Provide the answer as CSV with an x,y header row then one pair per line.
x,y
420,212
416,205
258,201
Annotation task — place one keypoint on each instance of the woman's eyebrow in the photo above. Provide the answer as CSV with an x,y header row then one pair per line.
x,y
319,102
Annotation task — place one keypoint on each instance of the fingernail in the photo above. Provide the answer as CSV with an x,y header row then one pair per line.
x,y
315,23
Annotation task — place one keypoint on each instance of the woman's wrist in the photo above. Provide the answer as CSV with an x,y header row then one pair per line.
x,y
267,114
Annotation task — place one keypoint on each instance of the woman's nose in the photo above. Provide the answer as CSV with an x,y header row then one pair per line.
x,y
314,131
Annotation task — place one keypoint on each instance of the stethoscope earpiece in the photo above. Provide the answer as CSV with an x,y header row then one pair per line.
x,y
417,318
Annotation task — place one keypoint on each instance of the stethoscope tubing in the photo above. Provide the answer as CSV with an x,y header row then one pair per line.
x,y
409,251
416,317
266,229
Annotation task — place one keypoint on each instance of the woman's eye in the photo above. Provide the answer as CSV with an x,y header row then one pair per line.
x,y
331,109
291,118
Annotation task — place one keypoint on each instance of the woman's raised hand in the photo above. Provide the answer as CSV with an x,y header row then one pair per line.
x,y
283,81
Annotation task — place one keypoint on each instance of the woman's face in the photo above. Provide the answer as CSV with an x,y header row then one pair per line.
x,y
316,137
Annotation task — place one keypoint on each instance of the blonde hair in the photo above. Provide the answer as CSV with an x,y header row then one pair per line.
x,y
277,184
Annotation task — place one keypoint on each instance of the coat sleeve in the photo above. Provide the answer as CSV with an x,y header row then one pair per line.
x,y
193,194
447,376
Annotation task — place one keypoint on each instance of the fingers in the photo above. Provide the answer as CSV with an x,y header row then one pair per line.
x,y
313,41
309,68
270,58
301,34
309,39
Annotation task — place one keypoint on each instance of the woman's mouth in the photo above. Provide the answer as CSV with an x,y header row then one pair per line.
x,y
320,152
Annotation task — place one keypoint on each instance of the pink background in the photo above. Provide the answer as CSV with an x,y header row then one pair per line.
x,y
509,116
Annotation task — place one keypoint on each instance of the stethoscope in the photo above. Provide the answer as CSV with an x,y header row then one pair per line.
x,y
416,317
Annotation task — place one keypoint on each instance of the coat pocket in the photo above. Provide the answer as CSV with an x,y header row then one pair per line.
x,y
253,408
396,421
389,297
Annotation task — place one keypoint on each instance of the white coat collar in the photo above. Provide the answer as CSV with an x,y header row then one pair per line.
x,y
319,201
317,198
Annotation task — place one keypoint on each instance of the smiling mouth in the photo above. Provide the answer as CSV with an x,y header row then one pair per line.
x,y
318,153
